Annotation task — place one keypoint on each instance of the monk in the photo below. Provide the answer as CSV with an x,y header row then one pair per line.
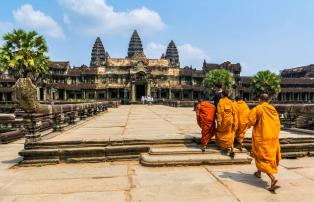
x,y
243,115
227,123
205,115
265,139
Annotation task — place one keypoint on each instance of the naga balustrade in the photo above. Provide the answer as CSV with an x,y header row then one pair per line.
x,y
50,118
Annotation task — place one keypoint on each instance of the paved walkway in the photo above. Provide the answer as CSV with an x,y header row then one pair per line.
x,y
129,181
140,122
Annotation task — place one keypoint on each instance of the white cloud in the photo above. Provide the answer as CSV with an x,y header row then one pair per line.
x,y
188,54
5,27
99,17
154,50
192,55
66,19
37,20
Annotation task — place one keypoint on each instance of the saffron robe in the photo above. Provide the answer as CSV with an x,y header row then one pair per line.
x,y
205,115
227,123
265,138
243,112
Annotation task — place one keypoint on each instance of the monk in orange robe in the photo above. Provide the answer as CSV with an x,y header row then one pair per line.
x,y
227,123
243,117
205,115
265,139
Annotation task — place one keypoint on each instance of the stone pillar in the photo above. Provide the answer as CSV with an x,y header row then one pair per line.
x,y
38,93
95,94
170,96
65,94
33,128
133,93
148,89
118,93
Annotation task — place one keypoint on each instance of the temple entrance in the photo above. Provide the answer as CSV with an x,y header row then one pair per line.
x,y
140,91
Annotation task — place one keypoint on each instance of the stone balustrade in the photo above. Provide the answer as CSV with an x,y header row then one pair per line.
x,y
50,118
46,119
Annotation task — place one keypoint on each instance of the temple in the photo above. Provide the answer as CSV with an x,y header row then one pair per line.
x,y
128,79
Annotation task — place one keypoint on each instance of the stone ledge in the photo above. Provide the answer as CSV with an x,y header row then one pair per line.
x,y
193,160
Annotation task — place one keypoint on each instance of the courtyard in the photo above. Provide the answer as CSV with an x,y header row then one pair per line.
x,y
130,181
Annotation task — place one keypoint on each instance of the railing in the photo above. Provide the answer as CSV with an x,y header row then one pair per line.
x,y
46,119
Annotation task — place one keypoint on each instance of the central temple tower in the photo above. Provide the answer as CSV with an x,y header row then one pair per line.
x,y
135,45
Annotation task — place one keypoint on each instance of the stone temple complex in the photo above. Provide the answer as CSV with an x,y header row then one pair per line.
x,y
130,78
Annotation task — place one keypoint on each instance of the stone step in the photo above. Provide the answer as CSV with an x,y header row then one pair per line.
x,y
33,162
193,159
192,149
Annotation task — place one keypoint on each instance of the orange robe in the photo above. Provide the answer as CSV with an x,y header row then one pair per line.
x,y
227,123
243,112
265,139
205,115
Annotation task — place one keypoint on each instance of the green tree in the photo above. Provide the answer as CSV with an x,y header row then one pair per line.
x,y
219,77
24,54
265,82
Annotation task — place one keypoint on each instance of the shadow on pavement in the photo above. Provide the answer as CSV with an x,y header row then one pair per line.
x,y
245,178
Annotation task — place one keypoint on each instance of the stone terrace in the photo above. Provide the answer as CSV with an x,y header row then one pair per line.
x,y
141,122
129,181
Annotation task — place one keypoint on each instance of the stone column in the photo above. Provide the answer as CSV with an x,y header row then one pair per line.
x,y
95,94
118,93
38,93
133,93
170,96
148,89
65,95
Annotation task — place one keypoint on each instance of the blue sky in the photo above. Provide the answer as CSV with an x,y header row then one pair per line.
x,y
260,34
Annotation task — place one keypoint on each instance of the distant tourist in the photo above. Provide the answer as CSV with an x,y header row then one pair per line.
x,y
227,123
150,100
196,102
243,117
205,115
143,100
265,139
217,94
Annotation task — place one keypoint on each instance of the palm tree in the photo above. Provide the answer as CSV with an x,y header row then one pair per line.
x,y
219,77
265,82
24,54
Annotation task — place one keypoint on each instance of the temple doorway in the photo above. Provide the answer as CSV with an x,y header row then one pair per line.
x,y
140,91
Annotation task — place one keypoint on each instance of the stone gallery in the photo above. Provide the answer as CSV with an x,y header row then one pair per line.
x,y
128,79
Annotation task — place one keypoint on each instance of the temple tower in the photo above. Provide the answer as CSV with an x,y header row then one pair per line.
x,y
99,55
135,45
172,54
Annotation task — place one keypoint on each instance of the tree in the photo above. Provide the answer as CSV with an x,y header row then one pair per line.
x,y
24,54
265,82
219,77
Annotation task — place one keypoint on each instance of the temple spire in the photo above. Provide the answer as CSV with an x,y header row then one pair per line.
x,y
135,45
172,54
99,55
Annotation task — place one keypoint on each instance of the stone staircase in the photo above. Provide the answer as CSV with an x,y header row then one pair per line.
x,y
157,152
191,155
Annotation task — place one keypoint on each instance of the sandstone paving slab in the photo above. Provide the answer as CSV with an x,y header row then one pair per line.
x,y
109,196
64,186
256,189
177,184
306,162
67,171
